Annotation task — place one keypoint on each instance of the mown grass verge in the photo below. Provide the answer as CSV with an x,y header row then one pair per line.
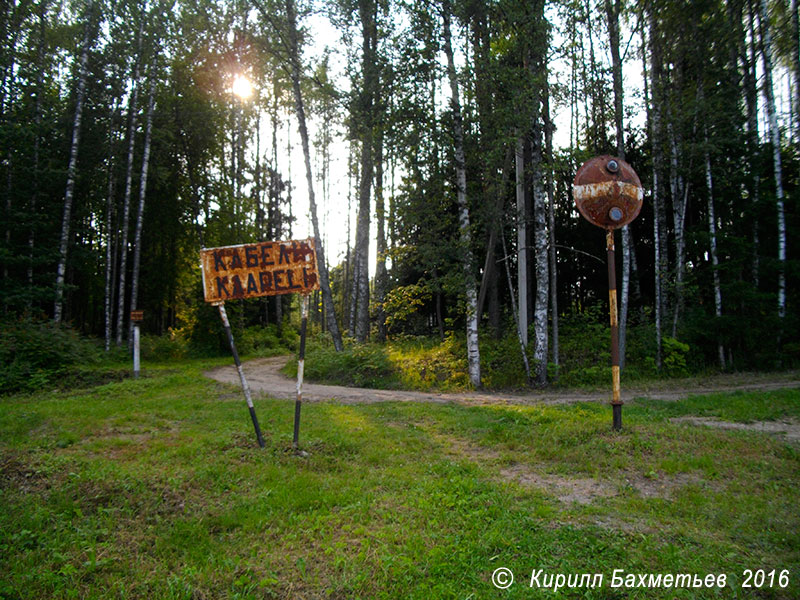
x,y
155,488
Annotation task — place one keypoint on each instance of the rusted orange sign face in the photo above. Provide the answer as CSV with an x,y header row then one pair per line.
x,y
608,192
262,269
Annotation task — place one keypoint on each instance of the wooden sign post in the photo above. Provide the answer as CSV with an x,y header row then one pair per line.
x,y
254,271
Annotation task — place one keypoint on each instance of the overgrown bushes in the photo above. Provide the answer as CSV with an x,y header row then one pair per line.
x,y
34,353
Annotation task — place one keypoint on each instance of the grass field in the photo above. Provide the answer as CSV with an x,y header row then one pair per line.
x,y
155,488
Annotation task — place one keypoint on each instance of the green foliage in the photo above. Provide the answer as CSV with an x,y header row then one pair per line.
x,y
266,341
674,356
432,366
403,301
163,347
34,353
359,365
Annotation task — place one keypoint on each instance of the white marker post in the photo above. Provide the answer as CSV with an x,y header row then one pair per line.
x,y
137,316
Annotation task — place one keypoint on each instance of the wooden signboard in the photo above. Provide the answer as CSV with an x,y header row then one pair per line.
x,y
262,269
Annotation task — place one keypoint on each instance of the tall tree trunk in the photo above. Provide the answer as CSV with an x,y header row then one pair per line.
x,y
367,13
522,194
137,239
751,102
654,124
612,13
775,139
380,215
796,67
680,197
551,230
473,351
523,346
712,233
541,258
10,32
37,129
61,269
324,279
126,203
108,293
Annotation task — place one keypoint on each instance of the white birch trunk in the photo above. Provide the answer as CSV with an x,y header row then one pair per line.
x,y
654,125
680,197
107,296
775,139
540,256
137,238
522,240
751,100
551,227
126,209
61,269
473,351
523,346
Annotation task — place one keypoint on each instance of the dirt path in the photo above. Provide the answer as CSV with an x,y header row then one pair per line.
x,y
264,376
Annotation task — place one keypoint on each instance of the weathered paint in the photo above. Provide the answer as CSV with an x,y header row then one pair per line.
x,y
607,192
261,269
300,369
616,401
245,386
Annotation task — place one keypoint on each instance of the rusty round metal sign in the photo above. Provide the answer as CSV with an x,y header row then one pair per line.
x,y
608,192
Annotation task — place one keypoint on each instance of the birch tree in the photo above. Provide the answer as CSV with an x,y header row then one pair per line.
x,y
300,112
137,239
126,202
775,140
473,351
80,92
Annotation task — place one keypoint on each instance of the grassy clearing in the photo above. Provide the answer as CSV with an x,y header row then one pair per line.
x,y
155,488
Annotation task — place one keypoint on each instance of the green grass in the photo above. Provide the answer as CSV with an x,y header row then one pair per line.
x,y
155,488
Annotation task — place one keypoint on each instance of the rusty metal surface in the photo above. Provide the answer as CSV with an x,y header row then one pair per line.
x,y
607,192
261,269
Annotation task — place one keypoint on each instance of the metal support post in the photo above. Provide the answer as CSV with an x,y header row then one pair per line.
x,y
616,402
245,387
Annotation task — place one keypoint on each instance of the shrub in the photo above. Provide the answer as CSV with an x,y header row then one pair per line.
x,y
163,347
675,354
34,353
360,365
432,366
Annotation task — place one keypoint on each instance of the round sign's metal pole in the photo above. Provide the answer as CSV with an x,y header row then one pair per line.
x,y
616,402
245,387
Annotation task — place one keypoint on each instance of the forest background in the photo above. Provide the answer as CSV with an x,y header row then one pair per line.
x,y
125,151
